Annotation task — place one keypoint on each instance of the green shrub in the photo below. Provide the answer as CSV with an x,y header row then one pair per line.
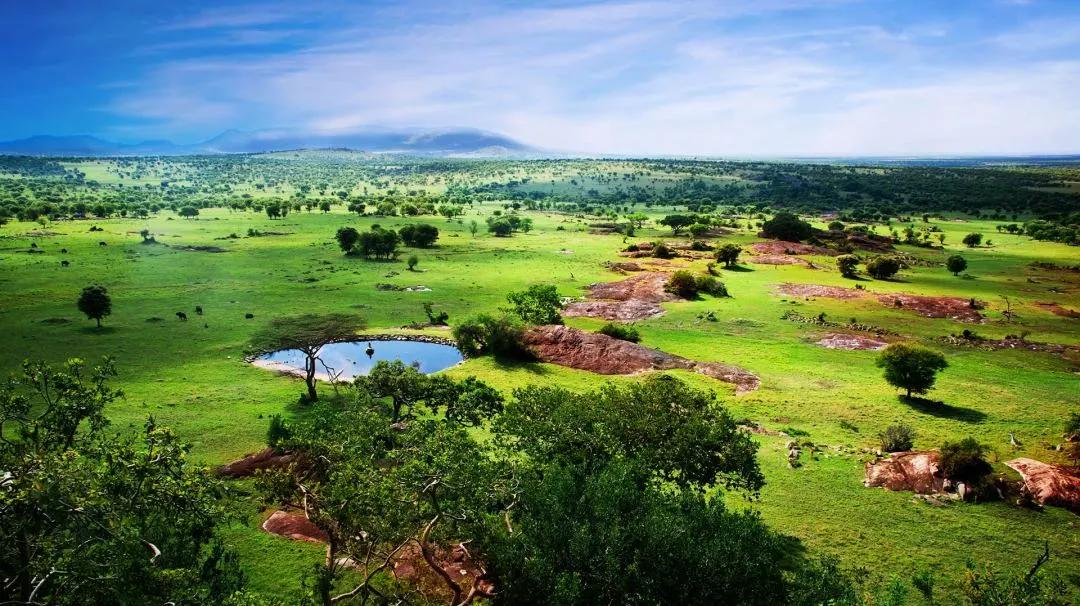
x,y
883,268
623,332
278,432
683,284
711,286
500,336
965,461
661,251
897,438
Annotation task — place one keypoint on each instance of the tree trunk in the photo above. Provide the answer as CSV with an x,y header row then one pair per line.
x,y
309,378
98,322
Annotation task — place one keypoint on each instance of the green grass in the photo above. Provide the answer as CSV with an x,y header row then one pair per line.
x,y
191,375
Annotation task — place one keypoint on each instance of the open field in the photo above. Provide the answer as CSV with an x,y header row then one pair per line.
x,y
191,375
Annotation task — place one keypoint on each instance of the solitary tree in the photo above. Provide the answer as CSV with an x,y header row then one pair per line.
x,y
956,264
728,254
307,333
911,367
412,261
883,268
188,212
847,264
677,222
972,240
95,303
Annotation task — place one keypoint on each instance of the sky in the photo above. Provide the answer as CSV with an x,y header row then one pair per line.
x,y
667,77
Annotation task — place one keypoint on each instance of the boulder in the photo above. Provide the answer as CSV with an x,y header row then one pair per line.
x,y
267,458
916,471
1048,484
293,526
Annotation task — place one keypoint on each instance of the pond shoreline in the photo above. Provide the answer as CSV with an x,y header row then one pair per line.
x,y
260,360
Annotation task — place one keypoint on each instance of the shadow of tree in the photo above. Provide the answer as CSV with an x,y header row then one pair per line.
x,y
943,410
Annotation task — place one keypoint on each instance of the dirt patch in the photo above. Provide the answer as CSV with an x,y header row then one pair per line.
x,y
625,266
635,298
294,526
954,308
777,260
267,458
208,249
1058,310
609,356
912,471
779,247
816,290
851,342
1049,484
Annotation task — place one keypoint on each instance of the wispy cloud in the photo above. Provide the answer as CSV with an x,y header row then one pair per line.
x,y
685,77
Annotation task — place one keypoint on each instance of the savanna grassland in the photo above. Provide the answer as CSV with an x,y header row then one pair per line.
x,y
232,259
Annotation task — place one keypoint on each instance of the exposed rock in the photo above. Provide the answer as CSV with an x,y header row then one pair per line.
x,y
955,308
1049,484
635,298
780,247
295,526
915,471
267,458
602,354
817,290
851,342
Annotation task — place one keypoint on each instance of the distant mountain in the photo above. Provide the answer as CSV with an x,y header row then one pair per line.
x,y
427,142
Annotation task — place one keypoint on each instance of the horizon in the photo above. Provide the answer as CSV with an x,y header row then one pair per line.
x,y
784,79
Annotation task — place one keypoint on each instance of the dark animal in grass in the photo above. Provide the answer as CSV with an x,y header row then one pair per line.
x,y
249,316
102,244
181,315
63,250
65,263
198,309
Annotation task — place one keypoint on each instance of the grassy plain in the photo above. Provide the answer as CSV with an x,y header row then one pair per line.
x,y
191,375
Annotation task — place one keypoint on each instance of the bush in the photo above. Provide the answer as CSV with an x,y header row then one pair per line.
x,y
623,332
897,438
972,240
883,268
847,265
278,432
786,226
956,264
711,286
661,251
683,284
420,235
965,461
500,336
538,304
728,254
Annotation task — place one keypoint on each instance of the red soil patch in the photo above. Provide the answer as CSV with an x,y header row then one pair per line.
x,y
295,526
609,356
1058,310
851,342
913,471
955,308
267,458
777,260
1049,484
815,290
634,298
625,266
779,247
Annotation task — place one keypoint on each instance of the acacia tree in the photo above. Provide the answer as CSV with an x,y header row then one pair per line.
x,y
911,367
95,303
956,264
728,254
538,304
307,333
90,518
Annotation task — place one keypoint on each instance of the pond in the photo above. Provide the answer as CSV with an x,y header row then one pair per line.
x,y
352,359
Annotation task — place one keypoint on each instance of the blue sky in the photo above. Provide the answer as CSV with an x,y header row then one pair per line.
x,y
768,77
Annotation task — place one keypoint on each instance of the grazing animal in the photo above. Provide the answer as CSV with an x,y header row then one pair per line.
x,y
63,250
249,316
198,309
102,244
65,263
181,315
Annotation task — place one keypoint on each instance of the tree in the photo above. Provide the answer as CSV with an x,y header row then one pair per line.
x,y
378,243
728,254
911,367
420,235
538,304
786,226
848,265
965,461
637,219
500,227
956,264
698,229
500,336
412,261
972,240
92,518
188,212
473,227
347,238
324,206
95,302
883,268
307,333
677,222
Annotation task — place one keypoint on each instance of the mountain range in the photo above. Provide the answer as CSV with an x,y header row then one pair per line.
x,y
451,142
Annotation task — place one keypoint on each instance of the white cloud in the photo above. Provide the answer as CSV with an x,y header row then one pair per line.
x,y
633,77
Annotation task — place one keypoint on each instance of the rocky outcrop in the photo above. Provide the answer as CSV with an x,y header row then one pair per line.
x,y
267,458
602,354
911,471
295,526
634,298
1048,484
